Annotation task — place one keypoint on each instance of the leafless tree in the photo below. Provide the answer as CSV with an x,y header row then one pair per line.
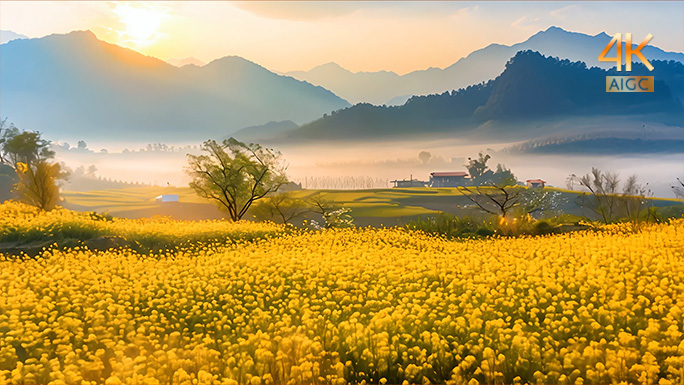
x,y
283,206
497,199
607,200
678,190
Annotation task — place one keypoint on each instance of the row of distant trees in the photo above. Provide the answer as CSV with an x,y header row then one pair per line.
x,y
82,146
342,182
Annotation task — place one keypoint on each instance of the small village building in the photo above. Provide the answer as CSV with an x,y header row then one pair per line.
x,y
535,183
448,179
164,198
409,183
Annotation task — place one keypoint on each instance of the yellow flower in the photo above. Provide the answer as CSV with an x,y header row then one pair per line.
x,y
347,305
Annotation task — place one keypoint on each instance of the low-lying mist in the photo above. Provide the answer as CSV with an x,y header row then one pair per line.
x,y
375,165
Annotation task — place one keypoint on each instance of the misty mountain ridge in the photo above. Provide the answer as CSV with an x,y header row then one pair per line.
x,y
531,87
6,35
608,145
185,61
481,65
87,88
266,131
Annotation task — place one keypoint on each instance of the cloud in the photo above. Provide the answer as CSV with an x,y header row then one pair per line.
x,y
526,22
516,23
299,10
466,11
561,13
317,10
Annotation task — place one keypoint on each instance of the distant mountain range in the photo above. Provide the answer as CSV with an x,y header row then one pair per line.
x,y
389,88
531,87
76,86
186,61
6,36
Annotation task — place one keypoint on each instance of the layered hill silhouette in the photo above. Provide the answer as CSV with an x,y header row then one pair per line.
x,y
76,86
601,146
185,62
6,35
389,88
266,131
531,87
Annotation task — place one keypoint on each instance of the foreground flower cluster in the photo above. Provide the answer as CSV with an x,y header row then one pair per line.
x,y
353,305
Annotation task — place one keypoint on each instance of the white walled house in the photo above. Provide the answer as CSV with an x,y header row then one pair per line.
x,y
164,198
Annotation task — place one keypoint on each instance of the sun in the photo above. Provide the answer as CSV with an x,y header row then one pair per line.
x,y
140,23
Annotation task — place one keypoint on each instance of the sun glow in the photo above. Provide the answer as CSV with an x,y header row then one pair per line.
x,y
141,23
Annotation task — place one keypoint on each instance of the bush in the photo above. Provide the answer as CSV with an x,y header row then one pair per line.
x,y
543,227
668,212
452,226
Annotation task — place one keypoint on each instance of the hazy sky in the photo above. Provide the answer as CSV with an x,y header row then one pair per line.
x,y
360,36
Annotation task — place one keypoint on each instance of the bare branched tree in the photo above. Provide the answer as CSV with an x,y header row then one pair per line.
x,y
604,194
283,207
678,190
321,204
334,215
607,200
497,199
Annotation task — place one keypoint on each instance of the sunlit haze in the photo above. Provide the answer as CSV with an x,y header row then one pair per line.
x,y
341,192
286,36
141,23
360,36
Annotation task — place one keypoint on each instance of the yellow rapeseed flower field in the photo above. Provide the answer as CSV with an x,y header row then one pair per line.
x,y
23,223
351,306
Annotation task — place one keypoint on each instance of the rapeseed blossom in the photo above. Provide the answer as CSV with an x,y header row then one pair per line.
x,y
350,306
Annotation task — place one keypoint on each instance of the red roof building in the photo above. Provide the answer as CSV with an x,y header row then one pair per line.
x,y
535,183
446,174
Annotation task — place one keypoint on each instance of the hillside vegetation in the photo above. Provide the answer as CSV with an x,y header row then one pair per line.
x,y
532,86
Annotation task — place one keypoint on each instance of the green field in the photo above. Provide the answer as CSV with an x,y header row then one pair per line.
x,y
369,207
138,202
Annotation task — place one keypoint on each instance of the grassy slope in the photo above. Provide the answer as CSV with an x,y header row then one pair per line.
x,y
373,206
139,202
26,229
131,202
132,197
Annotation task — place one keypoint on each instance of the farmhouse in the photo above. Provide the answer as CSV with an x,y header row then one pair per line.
x,y
535,183
408,183
164,198
448,179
